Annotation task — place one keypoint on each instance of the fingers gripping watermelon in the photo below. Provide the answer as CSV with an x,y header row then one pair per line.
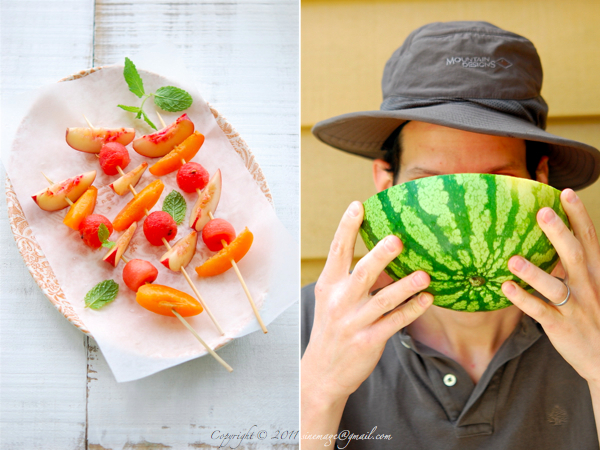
x,y
462,229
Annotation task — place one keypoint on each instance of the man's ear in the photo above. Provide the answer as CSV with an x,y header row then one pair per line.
x,y
382,175
542,171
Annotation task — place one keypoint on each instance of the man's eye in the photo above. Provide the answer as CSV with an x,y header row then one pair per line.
x,y
418,177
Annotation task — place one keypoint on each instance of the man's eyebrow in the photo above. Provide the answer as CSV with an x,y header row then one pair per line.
x,y
509,166
418,170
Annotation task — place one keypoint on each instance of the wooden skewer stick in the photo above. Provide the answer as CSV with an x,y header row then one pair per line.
x,y
162,122
88,122
121,172
129,185
166,243
52,182
243,283
210,350
70,202
189,280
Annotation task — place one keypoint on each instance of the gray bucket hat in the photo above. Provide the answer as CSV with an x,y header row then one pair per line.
x,y
472,76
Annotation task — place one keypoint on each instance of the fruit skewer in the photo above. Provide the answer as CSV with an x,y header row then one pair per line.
x,y
163,300
121,172
166,244
243,283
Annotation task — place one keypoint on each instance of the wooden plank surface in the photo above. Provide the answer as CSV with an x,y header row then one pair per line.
x,y
43,358
57,390
245,56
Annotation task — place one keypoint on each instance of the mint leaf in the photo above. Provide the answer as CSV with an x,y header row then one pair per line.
x,y
101,294
133,79
108,244
172,99
148,121
129,108
103,233
175,205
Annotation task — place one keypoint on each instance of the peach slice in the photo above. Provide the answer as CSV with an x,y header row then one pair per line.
x,y
137,207
91,140
172,161
207,202
163,141
161,299
55,197
114,254
121,185
83,207
138,272
181,253
221,262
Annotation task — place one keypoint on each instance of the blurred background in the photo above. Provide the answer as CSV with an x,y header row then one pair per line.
x,y
345,45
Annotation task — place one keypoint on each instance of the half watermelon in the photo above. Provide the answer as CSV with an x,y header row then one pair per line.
x,y
462,229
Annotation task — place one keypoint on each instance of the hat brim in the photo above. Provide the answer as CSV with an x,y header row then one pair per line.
x,y
572,164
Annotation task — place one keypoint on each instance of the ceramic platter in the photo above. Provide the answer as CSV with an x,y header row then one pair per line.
x,y
32,253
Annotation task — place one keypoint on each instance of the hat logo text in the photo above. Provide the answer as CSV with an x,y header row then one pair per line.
x,y
478,61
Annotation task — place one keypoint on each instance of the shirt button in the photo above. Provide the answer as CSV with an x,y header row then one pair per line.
x,y
405,344
449,379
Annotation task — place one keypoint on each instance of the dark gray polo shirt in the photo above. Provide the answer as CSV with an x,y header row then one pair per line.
x,y
528,398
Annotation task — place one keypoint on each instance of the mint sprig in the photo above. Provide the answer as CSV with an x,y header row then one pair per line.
x,y
103,235
101,294
168,98
176,206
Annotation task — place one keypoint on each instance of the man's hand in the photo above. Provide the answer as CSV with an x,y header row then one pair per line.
x,y
573,328
351,327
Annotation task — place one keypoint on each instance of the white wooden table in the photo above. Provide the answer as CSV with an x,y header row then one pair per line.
x,y
56,390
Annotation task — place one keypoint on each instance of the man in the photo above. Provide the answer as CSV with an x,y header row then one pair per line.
x,y
459,97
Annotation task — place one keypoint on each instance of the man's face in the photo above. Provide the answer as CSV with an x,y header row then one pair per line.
x,y
429,150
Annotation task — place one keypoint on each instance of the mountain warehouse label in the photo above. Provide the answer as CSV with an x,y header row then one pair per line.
x,y
478,61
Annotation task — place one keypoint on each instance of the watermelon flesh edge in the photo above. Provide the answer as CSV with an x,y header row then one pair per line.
x,y
462,229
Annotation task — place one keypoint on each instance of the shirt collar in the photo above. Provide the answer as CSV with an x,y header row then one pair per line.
x,y
523,336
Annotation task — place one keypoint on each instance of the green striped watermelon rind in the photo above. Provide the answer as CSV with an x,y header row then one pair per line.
x,y
434,217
